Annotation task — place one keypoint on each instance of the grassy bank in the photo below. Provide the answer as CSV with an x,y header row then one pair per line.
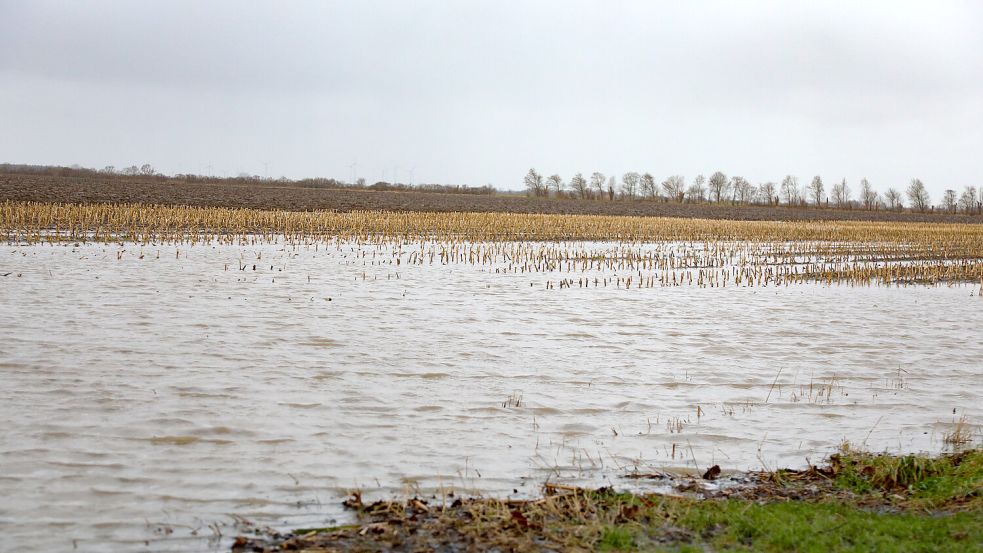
x,y
857,502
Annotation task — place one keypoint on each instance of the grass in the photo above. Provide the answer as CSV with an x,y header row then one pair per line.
x,y
616,538
961,433
800,526
858,502
923,483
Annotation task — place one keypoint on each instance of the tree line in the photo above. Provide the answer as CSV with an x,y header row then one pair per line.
x,y
147,171
631,186
737,190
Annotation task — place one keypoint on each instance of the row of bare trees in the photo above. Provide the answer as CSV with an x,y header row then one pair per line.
x,y
76,170
738,190
146,170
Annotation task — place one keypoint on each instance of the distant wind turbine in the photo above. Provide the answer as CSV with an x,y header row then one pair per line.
x,y
354,167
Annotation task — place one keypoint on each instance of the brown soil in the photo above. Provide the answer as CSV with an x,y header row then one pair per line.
x,y
151,190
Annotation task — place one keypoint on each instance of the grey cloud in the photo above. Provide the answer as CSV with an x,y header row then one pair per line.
x,y
477,92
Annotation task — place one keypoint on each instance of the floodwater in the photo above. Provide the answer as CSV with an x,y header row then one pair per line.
x,y
152,395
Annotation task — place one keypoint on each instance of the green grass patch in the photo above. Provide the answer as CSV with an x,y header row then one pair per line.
x,y
616,538
820,527
924,482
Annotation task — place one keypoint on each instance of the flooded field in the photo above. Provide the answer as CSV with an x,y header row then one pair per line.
x,y
153,394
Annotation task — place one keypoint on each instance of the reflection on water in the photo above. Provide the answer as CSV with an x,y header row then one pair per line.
x,y
151,399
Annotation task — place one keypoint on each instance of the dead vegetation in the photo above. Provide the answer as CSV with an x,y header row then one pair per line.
x,y
281,196
857,500
572,252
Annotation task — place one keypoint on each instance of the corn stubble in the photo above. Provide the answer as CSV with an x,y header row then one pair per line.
x,y
573,251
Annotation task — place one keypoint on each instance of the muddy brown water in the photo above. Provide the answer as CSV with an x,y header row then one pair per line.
x,y
146,404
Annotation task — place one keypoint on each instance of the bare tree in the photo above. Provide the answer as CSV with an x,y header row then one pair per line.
x,y
816,190
841,194
790,189
147,169
131,170
697,190
579,186
767,193
893,199
109,170
949,201
918,196
675,187
648,186
868,195
732,188
967,201
717,185
629,184
743,190
534,183
597,183
554,182
611,186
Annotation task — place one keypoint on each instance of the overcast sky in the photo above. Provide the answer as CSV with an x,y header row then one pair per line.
x,y
479,92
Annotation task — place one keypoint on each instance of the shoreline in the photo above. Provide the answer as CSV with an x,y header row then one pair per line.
x,y
855,501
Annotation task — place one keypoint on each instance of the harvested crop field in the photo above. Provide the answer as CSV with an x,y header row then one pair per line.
x,y
151,190
271,362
